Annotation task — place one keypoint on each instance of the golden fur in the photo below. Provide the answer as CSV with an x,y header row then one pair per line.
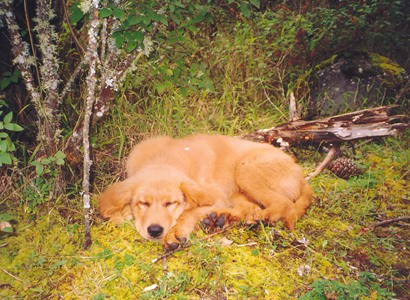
x,y
173,184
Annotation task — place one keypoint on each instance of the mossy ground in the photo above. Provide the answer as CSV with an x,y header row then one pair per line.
x,y
334,242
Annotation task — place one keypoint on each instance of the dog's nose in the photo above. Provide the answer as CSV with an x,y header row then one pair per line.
x,y
155,230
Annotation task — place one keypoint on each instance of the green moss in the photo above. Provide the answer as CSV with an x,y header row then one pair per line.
x,y
326,63
392,74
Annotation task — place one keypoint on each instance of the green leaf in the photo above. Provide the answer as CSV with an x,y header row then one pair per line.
x,y
183,91
256,3
131,46
7,119
5,82
60,155
3,135
39,169
60,162
119,14
15,76
146,20
129,36
13,127
3,146
161,88
10,146
199,18
17,127
76,14
134,20
46,160
139,37
119,39
5,158
245,9
7,229
6,217
163,19
105,13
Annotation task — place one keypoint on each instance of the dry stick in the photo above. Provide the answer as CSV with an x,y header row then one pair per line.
x,y
332,152
91,84
188,244
387,222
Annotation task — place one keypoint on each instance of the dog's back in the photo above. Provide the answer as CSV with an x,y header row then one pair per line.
x,y
202,156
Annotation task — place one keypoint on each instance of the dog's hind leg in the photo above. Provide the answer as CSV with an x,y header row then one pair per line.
x,y
275,182
241,210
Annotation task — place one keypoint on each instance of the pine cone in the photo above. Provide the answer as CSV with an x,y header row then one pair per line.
x,y
344,167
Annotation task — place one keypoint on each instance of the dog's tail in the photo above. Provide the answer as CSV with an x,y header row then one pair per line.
x,y
301,205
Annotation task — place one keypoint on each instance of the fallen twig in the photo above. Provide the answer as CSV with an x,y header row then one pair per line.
x,y
188,244
390,221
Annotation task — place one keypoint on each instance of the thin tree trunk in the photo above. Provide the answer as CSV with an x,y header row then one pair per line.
x,y
21,55
91,87
49,131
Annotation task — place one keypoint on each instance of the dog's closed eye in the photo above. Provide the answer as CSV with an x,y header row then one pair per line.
x,y
170,203
143,204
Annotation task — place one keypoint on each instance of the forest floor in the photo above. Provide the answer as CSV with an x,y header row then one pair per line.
x,y
335,252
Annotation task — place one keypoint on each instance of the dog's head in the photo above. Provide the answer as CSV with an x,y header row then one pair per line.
x,y
155,204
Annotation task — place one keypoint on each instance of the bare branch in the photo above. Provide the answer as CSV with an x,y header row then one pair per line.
x,y
332,152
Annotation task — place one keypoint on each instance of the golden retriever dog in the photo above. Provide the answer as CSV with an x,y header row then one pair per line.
x,y
173,184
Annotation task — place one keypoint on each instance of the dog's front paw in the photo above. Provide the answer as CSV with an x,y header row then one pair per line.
x,y
173,241
214,222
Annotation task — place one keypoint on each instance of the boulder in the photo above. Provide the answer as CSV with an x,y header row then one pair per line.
x,y
351,81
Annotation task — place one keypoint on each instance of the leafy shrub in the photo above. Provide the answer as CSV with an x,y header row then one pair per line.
x,y
39,189
7,146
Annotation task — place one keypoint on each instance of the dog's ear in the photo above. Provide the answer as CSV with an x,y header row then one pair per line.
x,y
113,200
196,195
